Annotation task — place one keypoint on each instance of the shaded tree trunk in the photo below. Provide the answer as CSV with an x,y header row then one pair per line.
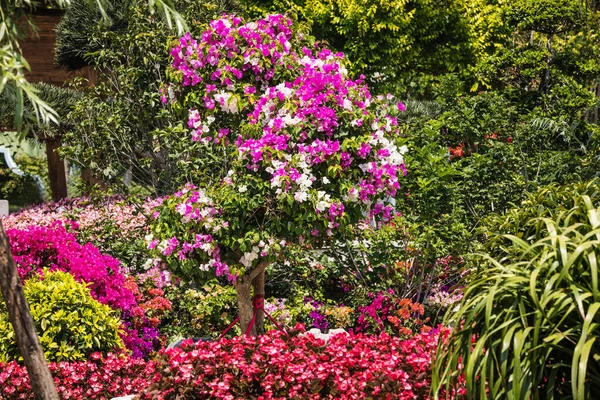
x,y
22,322
253,279
90,180
56,170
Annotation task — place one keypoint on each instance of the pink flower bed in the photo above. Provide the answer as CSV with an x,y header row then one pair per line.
x,y
98,378
88,215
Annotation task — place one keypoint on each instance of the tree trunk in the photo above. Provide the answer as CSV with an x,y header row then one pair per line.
x,y
244,298
90,180
254,278
56,170
258,283
22,322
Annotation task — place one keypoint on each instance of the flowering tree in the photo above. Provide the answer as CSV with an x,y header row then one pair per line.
x,y
309,152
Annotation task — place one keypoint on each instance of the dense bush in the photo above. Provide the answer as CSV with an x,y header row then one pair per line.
x,y
527,220
70,323
528,323
98,378
19,190
200,311
390,42
300,367
55,248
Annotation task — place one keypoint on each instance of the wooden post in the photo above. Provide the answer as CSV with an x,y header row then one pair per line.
x,y
22,322
56,170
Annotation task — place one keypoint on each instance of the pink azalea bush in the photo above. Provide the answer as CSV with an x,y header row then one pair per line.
x,y
299,367
98,378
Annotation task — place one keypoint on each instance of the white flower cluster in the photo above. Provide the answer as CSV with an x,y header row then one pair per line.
x,y
260,250
227,102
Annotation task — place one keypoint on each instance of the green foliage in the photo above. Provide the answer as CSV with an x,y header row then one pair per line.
x,y
345,270
433,210
35,166
200,312
70,323
79,31
527,220
390,41
527,326
120,125
19,190
546,16
61,100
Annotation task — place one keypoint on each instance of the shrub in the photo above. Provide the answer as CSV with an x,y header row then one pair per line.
x,y
19,190
70,323
98,378
300,367
53,247
527,220
316,152
200,312
528,324
387,313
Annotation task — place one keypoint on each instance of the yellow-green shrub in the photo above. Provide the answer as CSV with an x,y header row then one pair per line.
x,y
70,323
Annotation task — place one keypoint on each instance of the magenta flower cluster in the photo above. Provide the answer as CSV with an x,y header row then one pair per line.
x,y
373,316
303,120
53,247
319,320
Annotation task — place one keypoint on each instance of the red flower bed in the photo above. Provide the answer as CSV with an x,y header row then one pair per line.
x,y
301,367
274,366
98,378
